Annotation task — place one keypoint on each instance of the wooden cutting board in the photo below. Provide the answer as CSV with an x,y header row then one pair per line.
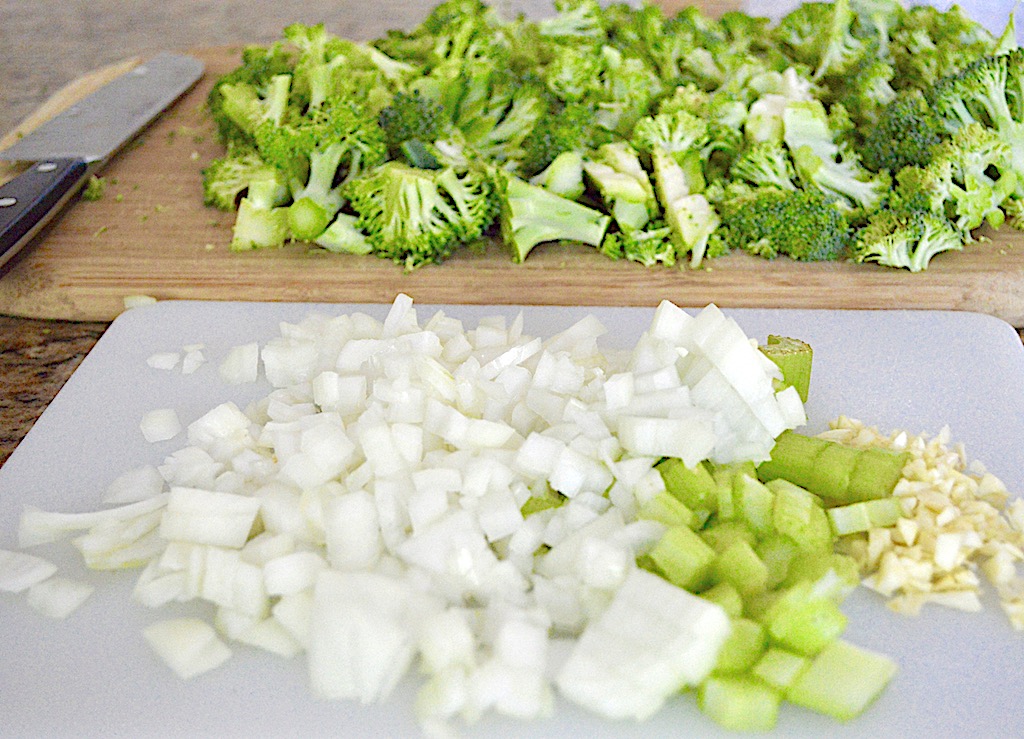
x,y
151,235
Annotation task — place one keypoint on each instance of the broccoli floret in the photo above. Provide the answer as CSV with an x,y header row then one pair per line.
x,y
928,44
344,237
904,136
987,92
765,163
416,217
531,215
624,185
259,65
629,87
649,246
571,127
564,176
318,151
833,168
690,216
904,238
244,108
977,175
227,178
821,35
262,219
411,115
574,73
575,20
866,91
679,133
96,187
804,225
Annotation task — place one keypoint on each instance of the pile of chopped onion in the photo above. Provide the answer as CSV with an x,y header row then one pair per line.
x,y
368,511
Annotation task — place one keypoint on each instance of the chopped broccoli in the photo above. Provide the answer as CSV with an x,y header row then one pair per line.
x,y
344,237
823,163
564,176
570,127
624,184
765,163
821,35
226,179
531,214
318,151
905,238
804,225
904,135
416,217
411,116
987,92
262,221
574,20
95,187
691,218
649,246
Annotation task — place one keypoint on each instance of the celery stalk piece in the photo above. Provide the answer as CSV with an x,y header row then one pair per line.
x,y
858,517
727,596
694,486
669,510
746,644
794,358
739,703
804,621
812,567
779,667
799,515
777,552
740,566
837,474
720,535
683,558
754,503
842,680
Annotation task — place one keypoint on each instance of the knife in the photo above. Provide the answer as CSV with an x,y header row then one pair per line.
x,y
70,147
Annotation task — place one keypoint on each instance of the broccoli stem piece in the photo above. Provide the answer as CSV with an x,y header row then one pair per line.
x,y
531,215
838,474
794,358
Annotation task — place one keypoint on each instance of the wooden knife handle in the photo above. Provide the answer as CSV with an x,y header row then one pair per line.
x,y
30,200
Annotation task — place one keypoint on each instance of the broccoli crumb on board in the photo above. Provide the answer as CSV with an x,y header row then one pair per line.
x,y
95,188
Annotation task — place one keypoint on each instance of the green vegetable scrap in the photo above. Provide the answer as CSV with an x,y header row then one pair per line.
x,y
860,131
95,188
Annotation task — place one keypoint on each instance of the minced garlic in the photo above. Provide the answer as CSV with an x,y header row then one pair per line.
x,y
958,524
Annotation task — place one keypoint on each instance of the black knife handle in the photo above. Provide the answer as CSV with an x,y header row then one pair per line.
x,y
31,199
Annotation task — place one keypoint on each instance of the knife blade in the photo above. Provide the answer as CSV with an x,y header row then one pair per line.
x,y
77,142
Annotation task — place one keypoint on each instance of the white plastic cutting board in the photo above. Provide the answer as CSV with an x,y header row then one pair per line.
x,y
92,675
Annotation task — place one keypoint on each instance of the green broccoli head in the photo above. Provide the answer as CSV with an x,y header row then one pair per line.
x,y
651,245
905,238
906,132
227,178
411,116
678,133
928,44
416,217
765,163
822,163
821,35
805,225
569,127
246,86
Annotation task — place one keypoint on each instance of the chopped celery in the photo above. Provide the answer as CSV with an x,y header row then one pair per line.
x,y
857,517
794,357
694,486
799,515
747,641
808,567
669,510
739,703
726,596
779,667
777,552
683,558
837,474
740,566
754,503
720,535
803,620
842,680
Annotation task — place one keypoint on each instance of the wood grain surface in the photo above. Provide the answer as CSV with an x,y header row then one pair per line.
x,y
150,234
